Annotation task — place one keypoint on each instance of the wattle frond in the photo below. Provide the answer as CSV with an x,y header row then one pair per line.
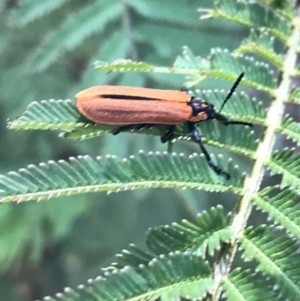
x,y
220,64
133,256
240,107
49,115
93,18
286,8
257,74
169,278
85,174
276,256
285,163
282,207
205,236
30,10
224,65
174,265
294,95
160,10
243,285
291,129
125,65
246,13
261,43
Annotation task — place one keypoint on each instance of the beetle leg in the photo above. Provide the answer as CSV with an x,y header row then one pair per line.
x,y
184,89
168,135
196,136
238,122
127,128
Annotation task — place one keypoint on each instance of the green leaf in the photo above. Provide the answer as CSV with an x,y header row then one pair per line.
x,y
124,65
132,256
282,7
180,275
211,229
283,162
282,207
291,129
261,43
30,10
220,64
240,107
294,96
85,174
49,115
257,74
181,13
249,14
276,257
245,285
93,18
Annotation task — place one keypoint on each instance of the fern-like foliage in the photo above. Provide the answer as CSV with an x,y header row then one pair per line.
x,y
175,265
163,277
291,129
261,43
288,166
206,236
32,10
276,257
282,207
85,174
294,96
220,64
247,13
245,285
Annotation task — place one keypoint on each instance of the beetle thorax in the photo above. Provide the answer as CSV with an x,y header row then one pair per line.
x,y
201,110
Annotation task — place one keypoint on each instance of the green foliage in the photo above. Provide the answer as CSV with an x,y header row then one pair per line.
x,y
294,95
249,13
276,257
291,129
282,207
261,43
29,11
85,174
206,236
245,285
66,39
283,163
179,275
175,265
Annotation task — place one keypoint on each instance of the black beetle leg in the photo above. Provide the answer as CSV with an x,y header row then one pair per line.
x,y
127,128
196,136
184,89
168,135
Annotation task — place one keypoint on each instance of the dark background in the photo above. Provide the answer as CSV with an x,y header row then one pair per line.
x,y
47,50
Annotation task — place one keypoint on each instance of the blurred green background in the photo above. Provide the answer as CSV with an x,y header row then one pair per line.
x,y
47,50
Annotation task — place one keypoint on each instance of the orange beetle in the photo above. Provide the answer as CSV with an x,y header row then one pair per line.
x,y
133,108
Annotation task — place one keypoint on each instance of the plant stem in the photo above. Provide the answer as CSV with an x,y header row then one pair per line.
x,y
262,156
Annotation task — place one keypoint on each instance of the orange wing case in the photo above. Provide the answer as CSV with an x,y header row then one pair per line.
x,y
121,105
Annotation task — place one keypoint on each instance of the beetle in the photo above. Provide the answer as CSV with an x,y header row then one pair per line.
x,y
134,108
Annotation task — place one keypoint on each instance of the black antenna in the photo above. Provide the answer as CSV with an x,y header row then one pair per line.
x,y
232,90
